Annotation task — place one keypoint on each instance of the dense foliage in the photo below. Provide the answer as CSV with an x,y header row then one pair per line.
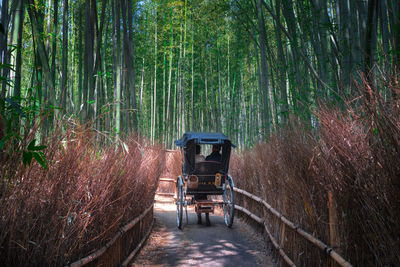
x,y
164,67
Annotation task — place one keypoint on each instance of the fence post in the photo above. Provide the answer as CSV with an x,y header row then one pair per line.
x,y
283,229
140,228
334,238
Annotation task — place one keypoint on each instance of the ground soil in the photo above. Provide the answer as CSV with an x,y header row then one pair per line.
x,y
201,245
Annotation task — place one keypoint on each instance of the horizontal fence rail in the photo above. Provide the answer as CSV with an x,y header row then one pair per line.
x,y
88,260
330,251
273,240
165,181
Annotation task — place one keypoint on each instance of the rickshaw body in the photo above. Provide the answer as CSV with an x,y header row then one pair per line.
x,y
202,179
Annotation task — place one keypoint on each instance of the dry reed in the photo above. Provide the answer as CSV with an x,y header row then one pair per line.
x,y
51,218
355,158
173,168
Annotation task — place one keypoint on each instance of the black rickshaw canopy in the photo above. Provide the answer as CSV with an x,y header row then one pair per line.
x,y
203,138
189,141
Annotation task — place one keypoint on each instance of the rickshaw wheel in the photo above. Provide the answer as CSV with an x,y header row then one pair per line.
x,y
229,206
179,205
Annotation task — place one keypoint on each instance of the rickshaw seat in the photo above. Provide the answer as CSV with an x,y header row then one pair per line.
x,y
205,171
207,167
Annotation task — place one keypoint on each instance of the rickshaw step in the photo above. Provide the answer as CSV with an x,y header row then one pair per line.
x,y
202,206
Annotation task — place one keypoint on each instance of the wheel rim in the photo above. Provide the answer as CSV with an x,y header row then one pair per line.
x,y
179,207
229,206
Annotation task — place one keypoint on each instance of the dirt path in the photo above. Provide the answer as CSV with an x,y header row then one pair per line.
x,y
200,245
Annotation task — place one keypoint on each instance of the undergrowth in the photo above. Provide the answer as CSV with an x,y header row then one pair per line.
x,y
53,217
355,158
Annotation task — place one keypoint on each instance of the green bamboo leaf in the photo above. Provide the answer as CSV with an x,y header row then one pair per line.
x,y
26,157
31,145
2,142
38,148
8,66
40,159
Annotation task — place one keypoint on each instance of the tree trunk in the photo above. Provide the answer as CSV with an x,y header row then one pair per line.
x,y
117,68
36,33
192,126
19,22
168,120
141,100
344,23
49,94
98,66
3,46
370,43
383,19
64,73
288,13
88,82
80,59
394,17
284,108
154,104
129,59
263,68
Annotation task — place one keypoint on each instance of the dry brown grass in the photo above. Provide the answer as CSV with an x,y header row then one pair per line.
x,y
355,156
173,168
50,218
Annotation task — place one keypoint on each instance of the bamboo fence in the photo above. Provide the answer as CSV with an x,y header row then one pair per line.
x,y
119,249
327,249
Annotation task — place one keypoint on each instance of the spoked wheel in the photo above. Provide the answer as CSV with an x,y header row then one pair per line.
x,y
229,203
187,218
179,204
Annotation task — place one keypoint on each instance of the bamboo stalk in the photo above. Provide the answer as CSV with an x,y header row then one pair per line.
x,y
331,252
121,231
131,224
251,215
89,258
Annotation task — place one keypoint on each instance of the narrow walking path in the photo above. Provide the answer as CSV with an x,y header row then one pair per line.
x,y
200,245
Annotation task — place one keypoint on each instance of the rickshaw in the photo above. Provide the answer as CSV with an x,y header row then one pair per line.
x,y
201,181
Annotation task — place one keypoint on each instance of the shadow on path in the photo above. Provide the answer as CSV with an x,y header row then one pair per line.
x,y
200,245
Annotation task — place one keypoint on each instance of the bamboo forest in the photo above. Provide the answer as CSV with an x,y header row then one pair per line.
x,y
94,93
163,67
